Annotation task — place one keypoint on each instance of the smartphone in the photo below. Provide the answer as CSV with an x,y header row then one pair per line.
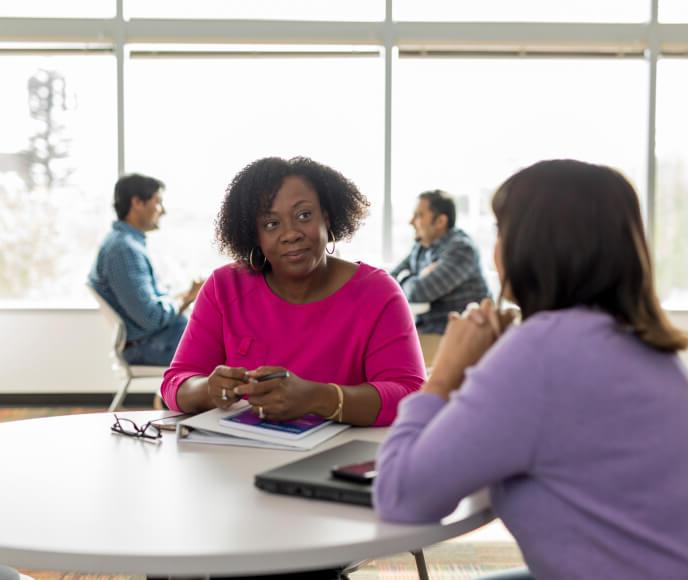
x,y
356,472
275,375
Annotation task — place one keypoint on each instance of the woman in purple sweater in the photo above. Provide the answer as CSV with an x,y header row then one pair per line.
x,y
577,419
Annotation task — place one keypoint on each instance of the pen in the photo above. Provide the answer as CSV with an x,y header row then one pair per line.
x,y
275,375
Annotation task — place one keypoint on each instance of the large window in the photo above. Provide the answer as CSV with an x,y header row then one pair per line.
x,y
61,9
524,10
671,204
401,96
195,122
673,11
259,9
58,161
464,125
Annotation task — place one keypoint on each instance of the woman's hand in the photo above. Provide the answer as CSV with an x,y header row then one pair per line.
x,y
221,384
279,399
467,338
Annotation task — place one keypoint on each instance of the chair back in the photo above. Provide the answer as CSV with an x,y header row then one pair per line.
x,y
117,328
119,363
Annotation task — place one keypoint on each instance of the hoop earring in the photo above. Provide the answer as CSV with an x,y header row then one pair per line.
x,y
333,240
254,267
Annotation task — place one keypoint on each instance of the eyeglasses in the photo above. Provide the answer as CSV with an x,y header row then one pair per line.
x,y
152,430
127,427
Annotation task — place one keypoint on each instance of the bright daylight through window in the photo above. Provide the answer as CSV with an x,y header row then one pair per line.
x,y
464,125
523,10
671,249
402,96
223,113
58,159
344,10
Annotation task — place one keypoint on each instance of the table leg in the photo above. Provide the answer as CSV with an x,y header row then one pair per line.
x,y
420,564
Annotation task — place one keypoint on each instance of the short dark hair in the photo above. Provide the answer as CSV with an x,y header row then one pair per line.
x,y
134,185
572,234
440,202
254,188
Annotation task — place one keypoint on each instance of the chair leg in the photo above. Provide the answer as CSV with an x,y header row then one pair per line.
x,y
158,405
351,568
420,564
119,396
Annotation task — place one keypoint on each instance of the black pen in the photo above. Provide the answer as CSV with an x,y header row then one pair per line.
x,y
275,375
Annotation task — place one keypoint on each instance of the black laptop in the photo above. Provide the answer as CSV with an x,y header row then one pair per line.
x,y
311,477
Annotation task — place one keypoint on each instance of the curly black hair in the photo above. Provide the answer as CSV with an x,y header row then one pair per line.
x,y
254,188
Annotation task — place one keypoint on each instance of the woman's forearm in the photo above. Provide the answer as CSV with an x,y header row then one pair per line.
x,y
193,396
360,403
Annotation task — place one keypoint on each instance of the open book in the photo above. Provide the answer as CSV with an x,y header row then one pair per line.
x,y
216,427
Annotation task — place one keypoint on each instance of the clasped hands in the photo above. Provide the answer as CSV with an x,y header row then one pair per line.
x,y
278,399
467,338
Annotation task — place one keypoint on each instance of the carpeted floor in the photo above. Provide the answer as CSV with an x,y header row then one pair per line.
x,y
464,558
18,413
457,559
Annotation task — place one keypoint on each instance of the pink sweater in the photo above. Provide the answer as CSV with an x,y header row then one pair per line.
x,y
362,333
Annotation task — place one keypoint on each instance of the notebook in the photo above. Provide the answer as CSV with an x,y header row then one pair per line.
x,y
310,477
207,428
295,429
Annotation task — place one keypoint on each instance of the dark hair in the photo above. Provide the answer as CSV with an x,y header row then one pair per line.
x,y
254,189
134,185
441,203
572,234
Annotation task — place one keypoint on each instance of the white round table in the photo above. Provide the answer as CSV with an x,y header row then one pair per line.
x,y
74,496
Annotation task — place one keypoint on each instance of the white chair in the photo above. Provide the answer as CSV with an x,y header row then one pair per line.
x,y
119,339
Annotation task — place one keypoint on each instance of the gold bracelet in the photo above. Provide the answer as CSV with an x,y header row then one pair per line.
x,y
337,415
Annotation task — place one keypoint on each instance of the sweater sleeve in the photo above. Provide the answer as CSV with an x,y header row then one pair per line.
x,y
201,348
131,279
438,453
393,360
455,264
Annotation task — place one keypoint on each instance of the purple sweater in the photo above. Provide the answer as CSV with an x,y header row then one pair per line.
x,y
362,333
581,432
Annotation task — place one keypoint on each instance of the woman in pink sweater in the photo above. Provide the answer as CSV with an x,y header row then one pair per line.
x,y
342,331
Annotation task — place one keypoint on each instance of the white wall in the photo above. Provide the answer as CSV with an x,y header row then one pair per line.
x,y
58,351
66,351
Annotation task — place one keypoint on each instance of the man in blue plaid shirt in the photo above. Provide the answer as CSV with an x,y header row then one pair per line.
x,y
443,267
123,275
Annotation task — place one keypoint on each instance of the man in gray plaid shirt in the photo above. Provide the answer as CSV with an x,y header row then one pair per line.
x,y
443,267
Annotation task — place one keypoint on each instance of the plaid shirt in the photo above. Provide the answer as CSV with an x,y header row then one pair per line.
x,y
123,275
456,280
